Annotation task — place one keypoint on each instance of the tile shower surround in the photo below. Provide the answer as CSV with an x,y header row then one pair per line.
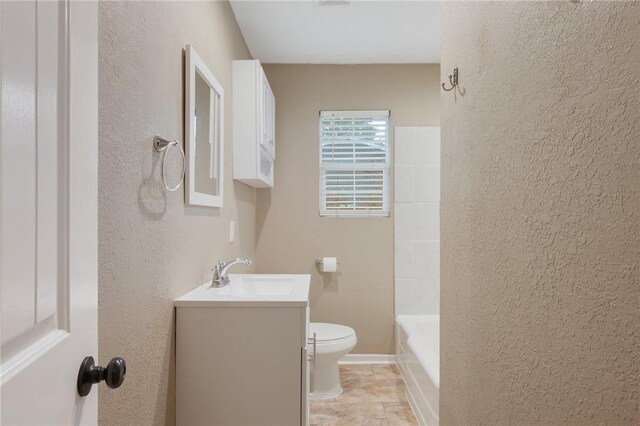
x,y
417,220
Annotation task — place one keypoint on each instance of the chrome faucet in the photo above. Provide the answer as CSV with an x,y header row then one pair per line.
x,y
220,275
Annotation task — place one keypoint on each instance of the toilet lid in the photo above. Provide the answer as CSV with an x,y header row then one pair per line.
x,y
326,332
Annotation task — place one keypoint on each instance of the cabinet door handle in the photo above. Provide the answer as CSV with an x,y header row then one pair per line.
x,y
315,341
312,358
312,341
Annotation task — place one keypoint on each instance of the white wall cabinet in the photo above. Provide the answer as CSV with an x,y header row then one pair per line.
x,y
254,125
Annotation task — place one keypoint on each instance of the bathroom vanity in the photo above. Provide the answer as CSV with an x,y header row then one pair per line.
x,y
241,352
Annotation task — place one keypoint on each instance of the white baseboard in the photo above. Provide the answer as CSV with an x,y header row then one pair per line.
x,y
384,359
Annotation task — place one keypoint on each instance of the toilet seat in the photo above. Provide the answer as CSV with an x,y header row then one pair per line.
x,y
331,333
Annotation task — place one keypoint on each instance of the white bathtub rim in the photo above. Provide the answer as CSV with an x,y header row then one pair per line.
x,y
408,321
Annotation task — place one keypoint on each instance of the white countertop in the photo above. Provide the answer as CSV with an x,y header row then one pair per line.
x,y
251,290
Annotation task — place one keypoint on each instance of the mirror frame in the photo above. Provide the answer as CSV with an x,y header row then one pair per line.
x,y
193,64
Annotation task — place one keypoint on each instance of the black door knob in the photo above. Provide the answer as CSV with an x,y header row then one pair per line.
x,y
90,374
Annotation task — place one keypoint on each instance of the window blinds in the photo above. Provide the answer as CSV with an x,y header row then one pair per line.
x,y
354,163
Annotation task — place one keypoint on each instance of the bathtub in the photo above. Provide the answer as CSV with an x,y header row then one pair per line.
x,y
418,359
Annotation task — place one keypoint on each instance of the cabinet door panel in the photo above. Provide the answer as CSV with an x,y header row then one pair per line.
x,y
253,125
264,137
267,117
272,120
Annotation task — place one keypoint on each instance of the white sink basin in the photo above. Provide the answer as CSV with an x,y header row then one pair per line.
x,y
251,290
257,285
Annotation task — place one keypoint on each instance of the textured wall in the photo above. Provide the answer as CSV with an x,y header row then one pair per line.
x,y
540,296
153,248
290,234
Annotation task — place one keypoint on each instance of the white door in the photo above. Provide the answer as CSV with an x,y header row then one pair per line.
x,y
48,216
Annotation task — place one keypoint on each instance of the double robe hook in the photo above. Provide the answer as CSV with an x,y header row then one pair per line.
x,y
453,80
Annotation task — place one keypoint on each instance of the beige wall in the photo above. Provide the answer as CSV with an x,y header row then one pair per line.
x,y
540,217
290,235
153,248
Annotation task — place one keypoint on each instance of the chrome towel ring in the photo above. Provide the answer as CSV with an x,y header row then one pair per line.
x,y
163,145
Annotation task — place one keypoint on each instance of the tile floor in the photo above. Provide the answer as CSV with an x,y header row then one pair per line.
x,y
373,395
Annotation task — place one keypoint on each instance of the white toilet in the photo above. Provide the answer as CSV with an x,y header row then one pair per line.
x,y
333,341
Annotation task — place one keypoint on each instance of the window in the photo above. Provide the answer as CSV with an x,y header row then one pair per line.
x,y
354,163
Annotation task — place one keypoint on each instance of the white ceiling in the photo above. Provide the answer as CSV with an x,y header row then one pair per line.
x,y
362,32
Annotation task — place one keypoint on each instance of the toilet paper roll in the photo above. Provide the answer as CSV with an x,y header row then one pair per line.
x,y
329,264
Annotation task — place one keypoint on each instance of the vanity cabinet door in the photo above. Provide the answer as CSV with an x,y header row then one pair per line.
x,y
246,371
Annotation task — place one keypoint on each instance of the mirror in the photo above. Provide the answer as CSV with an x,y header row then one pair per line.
x,y
204,104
